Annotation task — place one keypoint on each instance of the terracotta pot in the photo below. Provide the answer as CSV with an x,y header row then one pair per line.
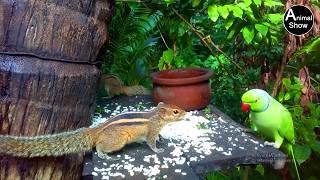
x,y
187,88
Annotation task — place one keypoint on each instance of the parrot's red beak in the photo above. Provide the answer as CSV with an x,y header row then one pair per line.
x,y
245,107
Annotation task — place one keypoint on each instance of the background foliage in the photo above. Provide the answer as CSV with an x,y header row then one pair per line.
x,y
240,41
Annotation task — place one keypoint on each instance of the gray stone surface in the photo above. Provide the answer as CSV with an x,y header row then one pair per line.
x,y
232,147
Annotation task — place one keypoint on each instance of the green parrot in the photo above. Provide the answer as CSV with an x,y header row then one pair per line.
x,y
270,118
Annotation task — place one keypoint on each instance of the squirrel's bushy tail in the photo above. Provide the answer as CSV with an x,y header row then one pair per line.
x,y
135,90
47,145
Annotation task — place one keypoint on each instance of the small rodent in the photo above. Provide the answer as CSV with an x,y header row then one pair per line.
x,y
113,85
108,137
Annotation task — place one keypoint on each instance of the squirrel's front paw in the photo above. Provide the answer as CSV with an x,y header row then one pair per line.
x,y
103,155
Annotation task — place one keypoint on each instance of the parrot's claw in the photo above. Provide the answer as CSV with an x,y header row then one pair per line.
x,y
275,145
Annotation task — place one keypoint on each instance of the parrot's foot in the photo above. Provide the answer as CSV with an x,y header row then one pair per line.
x,y
279,164
274,144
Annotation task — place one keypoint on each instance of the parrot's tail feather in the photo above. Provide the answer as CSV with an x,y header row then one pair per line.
x,y
294,160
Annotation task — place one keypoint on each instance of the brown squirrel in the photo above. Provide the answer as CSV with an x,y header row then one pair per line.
x,y
114,86
108,137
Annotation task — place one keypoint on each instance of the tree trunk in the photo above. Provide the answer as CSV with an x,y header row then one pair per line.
x,y
48,79
293,44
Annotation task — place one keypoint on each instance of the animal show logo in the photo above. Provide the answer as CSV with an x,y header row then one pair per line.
x,y
298,20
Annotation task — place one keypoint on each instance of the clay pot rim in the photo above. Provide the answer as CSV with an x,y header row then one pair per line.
x,y
204,76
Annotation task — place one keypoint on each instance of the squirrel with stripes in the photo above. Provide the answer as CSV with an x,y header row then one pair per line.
x,y
108,137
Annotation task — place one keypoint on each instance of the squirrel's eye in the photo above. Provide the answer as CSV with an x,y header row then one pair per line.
x,y
175,111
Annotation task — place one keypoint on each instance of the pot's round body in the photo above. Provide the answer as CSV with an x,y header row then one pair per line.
x,y
187,88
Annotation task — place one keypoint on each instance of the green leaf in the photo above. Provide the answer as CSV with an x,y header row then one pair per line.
x,y
286,82
247,2
280,96
287,96
182,29
275,18
257,2
256,13
262,29
167,55
243,6
317,112
301,153
166,59
297,97
213,13
260,169
178,61
316,146
228,24
223,11
195,3
237,12
272,3
248,34
168,2
235,29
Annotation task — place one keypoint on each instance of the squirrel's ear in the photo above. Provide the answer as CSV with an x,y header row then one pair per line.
x,y
162,112
160,104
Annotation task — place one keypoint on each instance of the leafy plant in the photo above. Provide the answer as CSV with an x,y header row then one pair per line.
x,y
253,19
305,120
310,53
132,48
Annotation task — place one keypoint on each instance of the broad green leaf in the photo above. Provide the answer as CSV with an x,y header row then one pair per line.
x,y
275,18
297,86
256,12
195,3
260,169
228,24
257,2
297,97
167,55
178,62
247,2
182,29
262,29
286,82
223,11
168,2
301,153
259,37
280,96
272,3
237,12
243,6
287,96
213,13
230,6
248,34
161,65
311,123
316,146
317,113
234,30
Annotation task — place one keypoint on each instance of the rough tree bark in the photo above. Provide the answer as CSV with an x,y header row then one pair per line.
x,y
293,43
48,78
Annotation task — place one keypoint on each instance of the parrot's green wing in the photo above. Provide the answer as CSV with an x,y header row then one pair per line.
x,y
286,129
